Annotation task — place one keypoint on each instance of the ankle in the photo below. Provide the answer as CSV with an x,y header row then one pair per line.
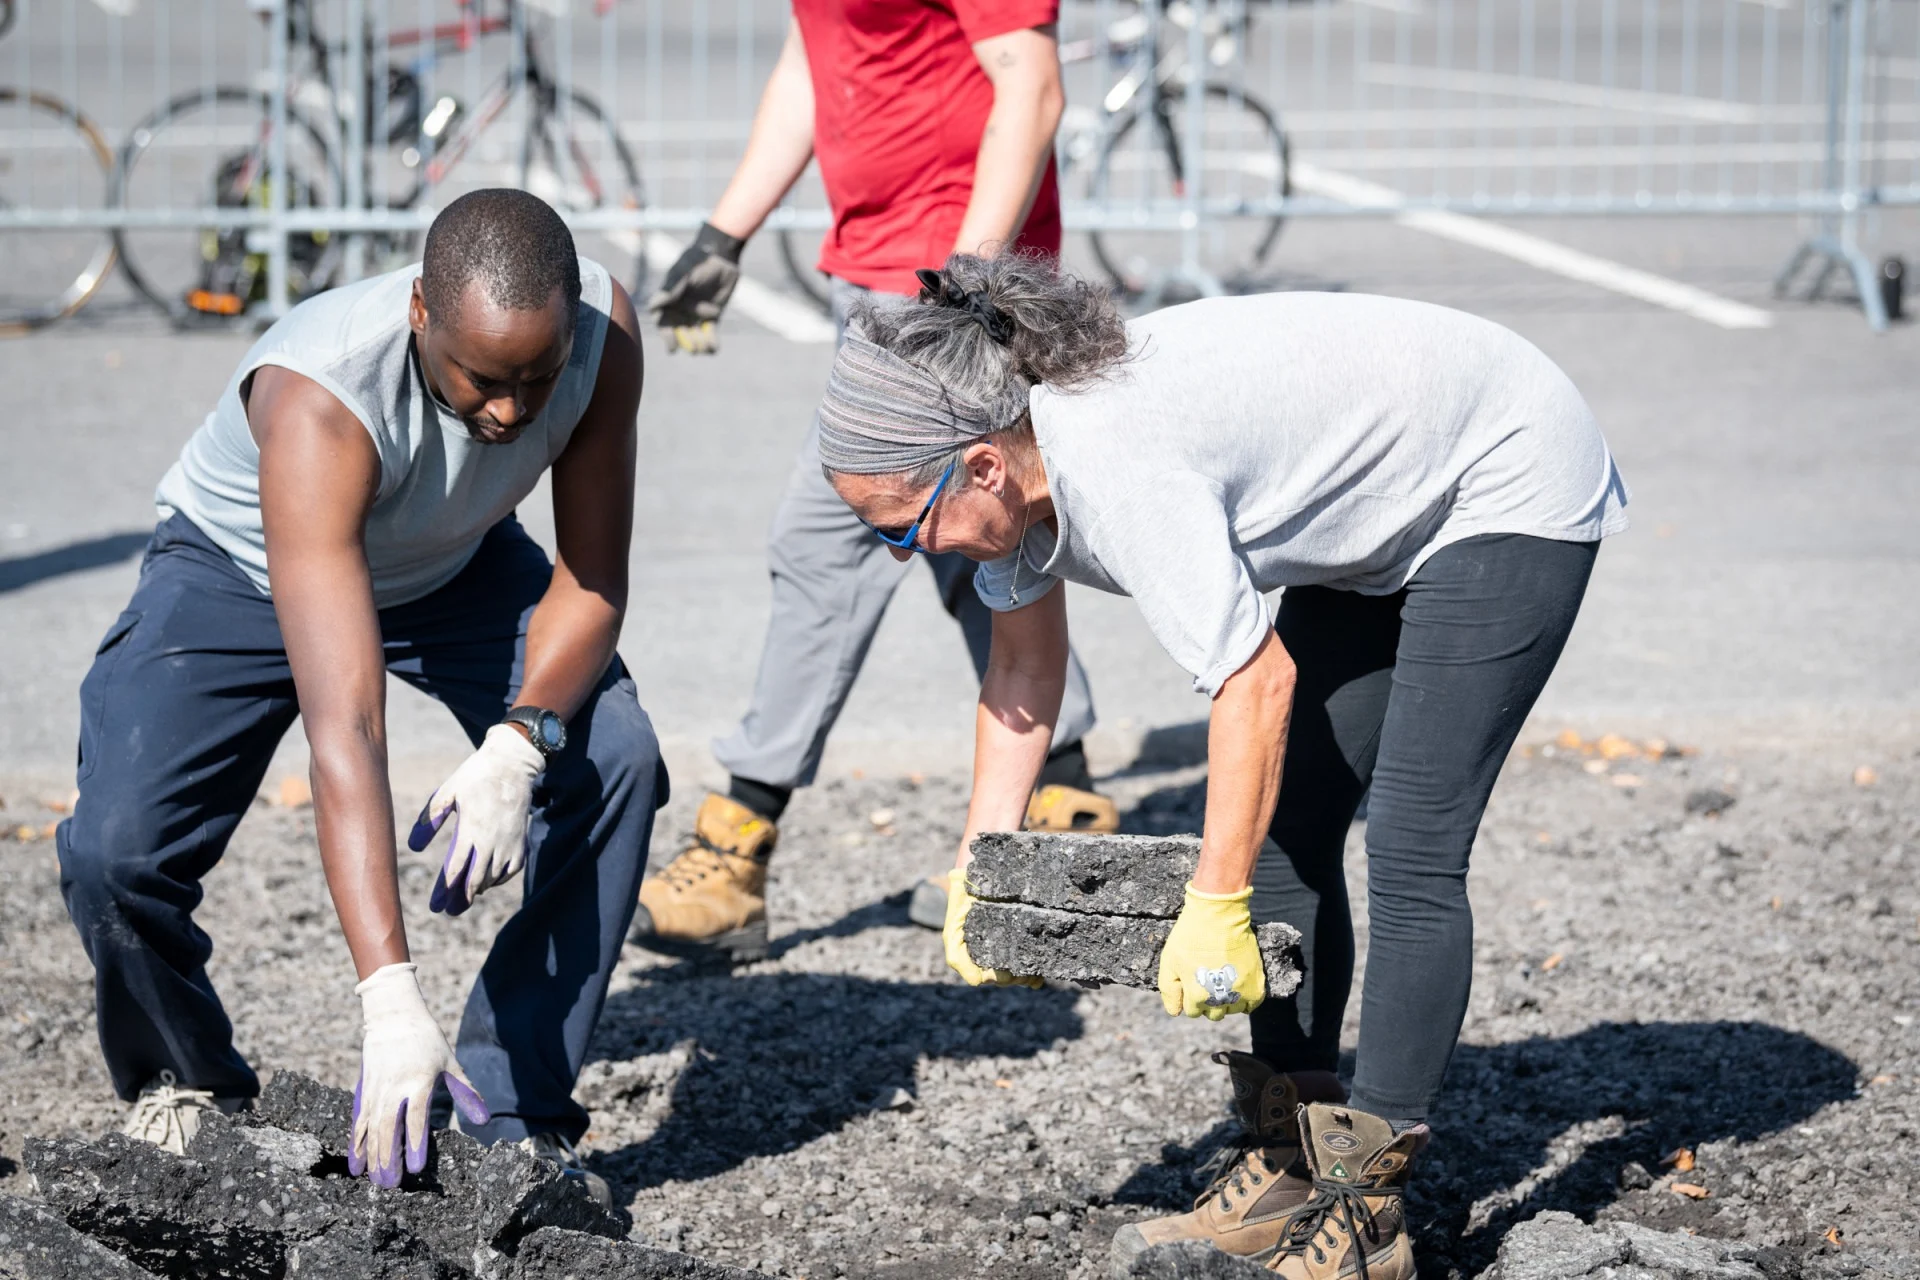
x,y
763,798
1066,767
1318,1086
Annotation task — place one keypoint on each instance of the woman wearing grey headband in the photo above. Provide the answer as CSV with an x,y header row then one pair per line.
x,y
1428,489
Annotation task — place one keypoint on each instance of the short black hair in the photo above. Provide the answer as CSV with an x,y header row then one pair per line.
x,y
512,244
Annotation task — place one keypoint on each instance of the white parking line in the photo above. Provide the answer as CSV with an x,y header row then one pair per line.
x,y
771,310
1535,252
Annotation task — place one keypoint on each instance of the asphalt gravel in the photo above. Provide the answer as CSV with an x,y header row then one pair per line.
x,y
1697,978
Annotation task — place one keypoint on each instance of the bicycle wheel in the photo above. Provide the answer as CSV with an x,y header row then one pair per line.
x,y
1244,157
56,159
575,159
809,279
210,149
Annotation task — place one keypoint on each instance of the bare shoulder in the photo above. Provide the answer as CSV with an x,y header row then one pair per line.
x,y
316,459
280,401
621,312
625,320
617,385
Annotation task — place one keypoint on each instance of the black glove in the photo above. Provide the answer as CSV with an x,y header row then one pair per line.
x,y
689,301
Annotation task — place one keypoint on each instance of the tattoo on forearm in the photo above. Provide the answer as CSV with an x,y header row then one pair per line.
x,y
1006,58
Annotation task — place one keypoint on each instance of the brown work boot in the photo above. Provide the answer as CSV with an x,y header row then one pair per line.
x,y
1354,1227
1261,1180
712,899
1061,808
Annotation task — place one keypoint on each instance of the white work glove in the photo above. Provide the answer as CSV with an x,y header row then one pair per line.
x,y
491,793
402,1057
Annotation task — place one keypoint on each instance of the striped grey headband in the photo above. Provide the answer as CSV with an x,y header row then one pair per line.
x,y
883,415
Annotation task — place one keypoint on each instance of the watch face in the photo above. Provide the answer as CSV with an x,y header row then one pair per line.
x,y
552,732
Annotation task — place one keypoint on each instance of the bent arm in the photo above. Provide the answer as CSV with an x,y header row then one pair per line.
x,y
1246,747
319,473
778,146
1019,702
576,626
1017,142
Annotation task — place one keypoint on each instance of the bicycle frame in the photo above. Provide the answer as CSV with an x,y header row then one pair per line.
x,y
525,72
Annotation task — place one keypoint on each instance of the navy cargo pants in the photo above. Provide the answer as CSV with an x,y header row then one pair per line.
x,y
187,699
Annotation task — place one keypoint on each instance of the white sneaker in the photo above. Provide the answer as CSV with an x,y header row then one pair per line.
x,y
168,1116
556,1150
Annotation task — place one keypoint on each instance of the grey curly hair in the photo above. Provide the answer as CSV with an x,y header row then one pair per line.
x,y
1066,333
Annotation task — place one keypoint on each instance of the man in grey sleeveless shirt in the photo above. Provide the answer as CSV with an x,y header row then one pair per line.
x,y
346,511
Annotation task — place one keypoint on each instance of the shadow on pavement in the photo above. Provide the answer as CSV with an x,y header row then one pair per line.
x,y
784,1058
883,913
1642,1089
75,557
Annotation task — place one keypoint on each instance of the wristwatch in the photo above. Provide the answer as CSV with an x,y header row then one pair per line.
x,y
545,729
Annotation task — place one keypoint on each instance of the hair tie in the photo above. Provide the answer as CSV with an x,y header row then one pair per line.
x,y
937,288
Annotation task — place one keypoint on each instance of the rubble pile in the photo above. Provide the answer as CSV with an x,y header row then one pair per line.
x,y
1092,909
266,1194
1558,1246
1551,1246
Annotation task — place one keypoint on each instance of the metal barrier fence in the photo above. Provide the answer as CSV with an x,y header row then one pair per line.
x,y
239,154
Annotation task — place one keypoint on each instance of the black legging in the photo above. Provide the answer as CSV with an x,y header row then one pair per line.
x,y
1419,694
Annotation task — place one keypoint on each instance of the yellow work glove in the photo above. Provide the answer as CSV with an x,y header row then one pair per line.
x,y
1211,964
955,936
694,339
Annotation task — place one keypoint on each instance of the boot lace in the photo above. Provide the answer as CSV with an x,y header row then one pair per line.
x,y
1334,1204
1229,1171
695,864
161,1113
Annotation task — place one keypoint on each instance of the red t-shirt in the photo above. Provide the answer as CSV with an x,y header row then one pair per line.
x,y
899,103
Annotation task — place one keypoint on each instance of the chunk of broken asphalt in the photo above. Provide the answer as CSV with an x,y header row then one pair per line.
x,y
252,1199
1096,874
1069,946
1092,909
37,1244
1192,1260
1558,1246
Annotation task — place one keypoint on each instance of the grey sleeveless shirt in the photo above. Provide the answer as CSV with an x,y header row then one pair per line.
x,y
440,489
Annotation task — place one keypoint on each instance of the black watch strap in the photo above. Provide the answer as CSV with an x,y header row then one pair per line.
x,y
545,730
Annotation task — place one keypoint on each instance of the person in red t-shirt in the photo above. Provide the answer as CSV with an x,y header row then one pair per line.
x,y
933,122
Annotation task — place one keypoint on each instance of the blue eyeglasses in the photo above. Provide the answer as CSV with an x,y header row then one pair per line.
x,y
905,541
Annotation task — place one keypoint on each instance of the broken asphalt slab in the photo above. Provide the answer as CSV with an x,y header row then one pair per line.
x,y
1092,909
37,1244
1110,875
266,1195
1068,946
1558,1246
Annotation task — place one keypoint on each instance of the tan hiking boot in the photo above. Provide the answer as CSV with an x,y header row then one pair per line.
x,y
712,899
1260,1183
1355,1226
1061,808
168,1115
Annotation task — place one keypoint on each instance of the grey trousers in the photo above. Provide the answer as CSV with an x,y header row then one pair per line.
x,y
832,580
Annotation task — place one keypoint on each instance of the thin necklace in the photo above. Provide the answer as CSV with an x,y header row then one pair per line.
x,y
1020,550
